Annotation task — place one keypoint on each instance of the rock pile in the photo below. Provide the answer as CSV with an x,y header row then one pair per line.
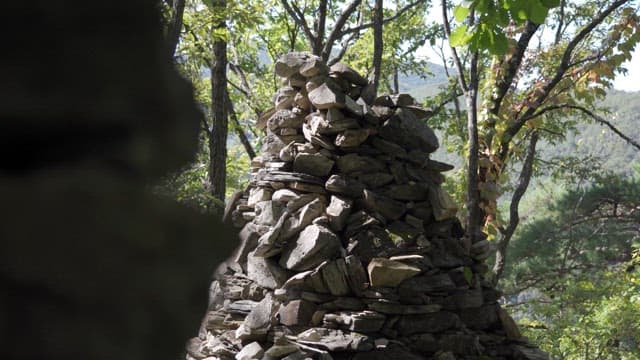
x,y
350,248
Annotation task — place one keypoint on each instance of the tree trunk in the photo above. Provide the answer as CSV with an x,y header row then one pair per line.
x,y
474,220
378,46
174,27
219,129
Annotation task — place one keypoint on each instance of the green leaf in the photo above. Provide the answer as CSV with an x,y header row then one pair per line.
x,y
460,36
468,275
537,12
550,4
461,12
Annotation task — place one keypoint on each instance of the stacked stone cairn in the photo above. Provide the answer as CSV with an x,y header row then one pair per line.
x,y
350,248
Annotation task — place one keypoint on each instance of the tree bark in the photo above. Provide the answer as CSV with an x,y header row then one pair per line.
x,y
219,128
514,215
174,27
475,217
378,46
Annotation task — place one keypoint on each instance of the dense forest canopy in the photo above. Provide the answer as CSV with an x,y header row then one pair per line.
x,y
523,102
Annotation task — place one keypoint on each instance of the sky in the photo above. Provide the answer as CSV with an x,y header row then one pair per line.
x,y
630,82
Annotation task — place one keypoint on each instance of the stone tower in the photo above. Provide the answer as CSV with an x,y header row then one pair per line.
x,y
350,248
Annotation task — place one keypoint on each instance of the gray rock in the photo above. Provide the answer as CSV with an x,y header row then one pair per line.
x,y
343,185
354,163
404,128
316,139
344,71
356,275
291,63
375,180
313,164
426,284
370,243
268,212
250,351
313,67
242,307
335,340
266,272
296,312
279,351
335,279
443,206
257,195
403,309
314,245
283,98
427,323
460,344
301,219
285,195
285,118
385,272
481,318
343,304
389,147
248,241
408,192
259,320
338,211
326,96
464,299
351,138
389,208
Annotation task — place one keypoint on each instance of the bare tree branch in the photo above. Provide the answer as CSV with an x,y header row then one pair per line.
x,y
514,216
384,21
513,129
454,52
298,18
238,129
337,32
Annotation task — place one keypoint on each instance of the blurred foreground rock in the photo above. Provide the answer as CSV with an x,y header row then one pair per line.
x,y
93,266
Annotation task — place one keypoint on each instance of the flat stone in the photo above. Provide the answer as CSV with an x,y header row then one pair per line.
x,y
344,185
301,219
313,164
426,284
250,351
389,147
314,245
408,192
385,272
316,139
403,309
338,211
279,351
402,233
465,299
285,195
419,112
266,272
297,312
375,180
287,177
258,194
335,279
335,340
388,353
285,118
404,128
283,98
242,307
344,71
389,208
427,323
326,96
268,212
302,101
259,320
399,172
343,304
306,187
366,322
314,67
352,163
290,63
351,138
